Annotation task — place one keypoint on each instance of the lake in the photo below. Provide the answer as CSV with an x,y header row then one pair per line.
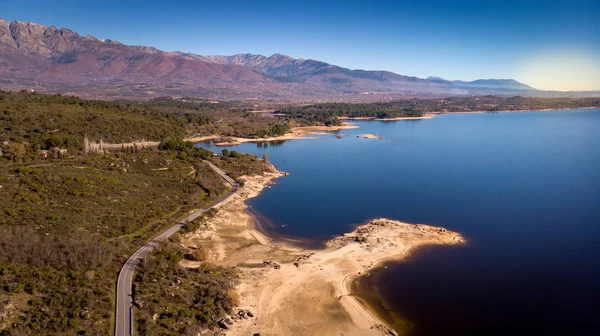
x,y
522,188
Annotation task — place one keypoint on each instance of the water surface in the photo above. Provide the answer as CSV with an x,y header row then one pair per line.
x,y
523,188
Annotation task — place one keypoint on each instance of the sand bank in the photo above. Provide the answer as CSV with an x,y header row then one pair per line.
x,y
294,134
369,136
295,291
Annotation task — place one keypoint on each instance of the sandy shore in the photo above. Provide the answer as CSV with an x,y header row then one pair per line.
x,y
295,291
369,136
294,134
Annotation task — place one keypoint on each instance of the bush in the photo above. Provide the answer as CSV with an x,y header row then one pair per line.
x,y
199,254
196,298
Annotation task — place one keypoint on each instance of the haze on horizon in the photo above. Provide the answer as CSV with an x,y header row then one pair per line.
x,y
550,45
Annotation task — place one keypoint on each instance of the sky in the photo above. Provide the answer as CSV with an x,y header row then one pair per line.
x,y
551,44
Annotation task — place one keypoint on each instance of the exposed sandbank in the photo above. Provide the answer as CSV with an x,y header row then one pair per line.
x,y
294,134
308,292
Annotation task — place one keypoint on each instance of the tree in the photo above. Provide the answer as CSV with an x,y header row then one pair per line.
x,y
225,152
265,156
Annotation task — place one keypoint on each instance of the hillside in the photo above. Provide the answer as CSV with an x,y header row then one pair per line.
x,y
70,217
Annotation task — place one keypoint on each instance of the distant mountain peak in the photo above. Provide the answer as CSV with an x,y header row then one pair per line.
x,y
508,84
278,55
438,80
490,83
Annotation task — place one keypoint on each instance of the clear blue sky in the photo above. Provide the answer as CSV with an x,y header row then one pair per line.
x,y
549,44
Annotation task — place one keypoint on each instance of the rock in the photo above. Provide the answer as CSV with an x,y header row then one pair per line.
x,y
221,323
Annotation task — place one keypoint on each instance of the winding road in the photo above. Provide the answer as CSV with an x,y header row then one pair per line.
x,y
124,311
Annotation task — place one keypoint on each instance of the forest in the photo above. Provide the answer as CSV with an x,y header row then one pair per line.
x,y
69,220
68,224
328,114
38,121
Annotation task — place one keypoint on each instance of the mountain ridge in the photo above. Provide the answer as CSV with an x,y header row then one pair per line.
x,y
60,60
497,83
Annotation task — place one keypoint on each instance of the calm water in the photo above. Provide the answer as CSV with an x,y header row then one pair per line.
x,y
523,188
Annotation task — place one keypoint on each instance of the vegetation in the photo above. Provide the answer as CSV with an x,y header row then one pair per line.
x,y
328,114
175,300
69,220
236,164
38,121
222,118
46,121
67,225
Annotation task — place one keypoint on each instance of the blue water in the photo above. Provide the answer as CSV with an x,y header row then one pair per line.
x,y
523,188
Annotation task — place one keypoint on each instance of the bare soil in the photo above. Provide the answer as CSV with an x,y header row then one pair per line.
x,y
294,291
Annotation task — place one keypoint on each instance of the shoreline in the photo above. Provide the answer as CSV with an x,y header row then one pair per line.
x,y
277,295
301,132
516,111
294,134
351,278
430,115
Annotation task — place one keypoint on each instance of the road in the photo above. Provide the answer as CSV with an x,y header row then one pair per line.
x,y
124,311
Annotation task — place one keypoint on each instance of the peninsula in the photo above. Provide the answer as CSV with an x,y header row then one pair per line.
x,y
290,290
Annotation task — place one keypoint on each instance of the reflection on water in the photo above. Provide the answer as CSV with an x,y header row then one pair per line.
x,y
267,144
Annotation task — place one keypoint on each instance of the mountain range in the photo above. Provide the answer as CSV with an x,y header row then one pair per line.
x,y
33,56
499,84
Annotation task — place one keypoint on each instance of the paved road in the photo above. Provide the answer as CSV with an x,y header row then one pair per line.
x,y
124,312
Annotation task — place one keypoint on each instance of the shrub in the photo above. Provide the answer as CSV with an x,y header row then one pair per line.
x,y
199,254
